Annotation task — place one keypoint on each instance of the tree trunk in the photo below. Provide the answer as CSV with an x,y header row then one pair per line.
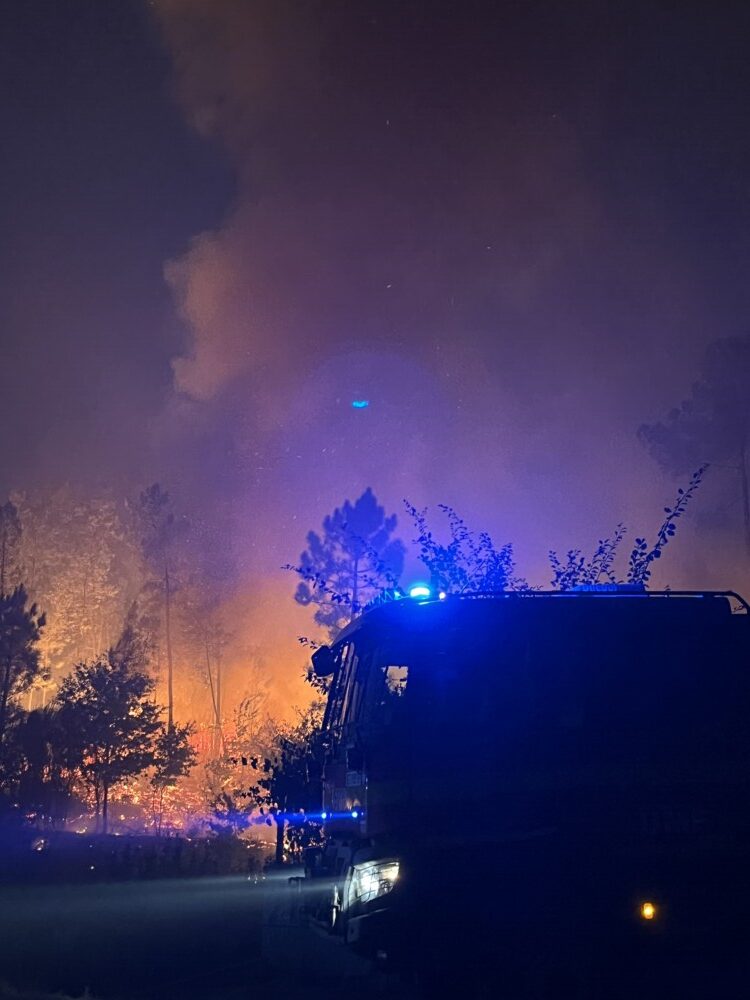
x,y
4,695
280,825
81,631
745,498
355,590
3,548
214,702
168,636
218,703
105,809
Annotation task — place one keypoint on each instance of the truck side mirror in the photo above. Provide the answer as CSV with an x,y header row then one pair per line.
x,y
324,662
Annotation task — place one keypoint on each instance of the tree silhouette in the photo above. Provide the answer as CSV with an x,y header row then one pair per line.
x,y
160,532
173,758
469,561
20,630
202,628
713,424
352,561
643,555
110,722
577,571
42,784
288,781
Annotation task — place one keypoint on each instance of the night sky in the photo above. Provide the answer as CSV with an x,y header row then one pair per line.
x,y
512,227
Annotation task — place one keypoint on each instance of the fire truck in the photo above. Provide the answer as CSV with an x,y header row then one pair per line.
x,y
543,791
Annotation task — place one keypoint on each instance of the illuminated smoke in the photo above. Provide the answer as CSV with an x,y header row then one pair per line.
x,y
420,222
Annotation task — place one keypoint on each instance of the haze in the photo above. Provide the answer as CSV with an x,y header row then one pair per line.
x,y
514,235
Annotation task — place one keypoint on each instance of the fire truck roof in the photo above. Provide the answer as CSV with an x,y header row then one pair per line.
x,y
397,609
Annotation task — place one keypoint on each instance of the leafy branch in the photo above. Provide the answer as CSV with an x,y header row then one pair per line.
x,y
642,557
469,562
575,571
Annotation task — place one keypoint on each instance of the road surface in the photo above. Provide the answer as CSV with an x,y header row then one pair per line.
x,y
223,938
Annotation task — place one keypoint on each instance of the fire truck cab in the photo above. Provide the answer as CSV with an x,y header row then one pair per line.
x,y
565,774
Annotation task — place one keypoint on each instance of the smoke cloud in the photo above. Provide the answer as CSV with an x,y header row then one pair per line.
x,y
452,214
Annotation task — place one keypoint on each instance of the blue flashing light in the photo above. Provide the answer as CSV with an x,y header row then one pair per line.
x,y
355,814
324,815
442,595
360,404
419,590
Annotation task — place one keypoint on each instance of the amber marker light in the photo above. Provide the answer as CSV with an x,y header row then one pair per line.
x,y
648,911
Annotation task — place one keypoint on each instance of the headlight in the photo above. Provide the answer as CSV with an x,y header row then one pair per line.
x,y
372,879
